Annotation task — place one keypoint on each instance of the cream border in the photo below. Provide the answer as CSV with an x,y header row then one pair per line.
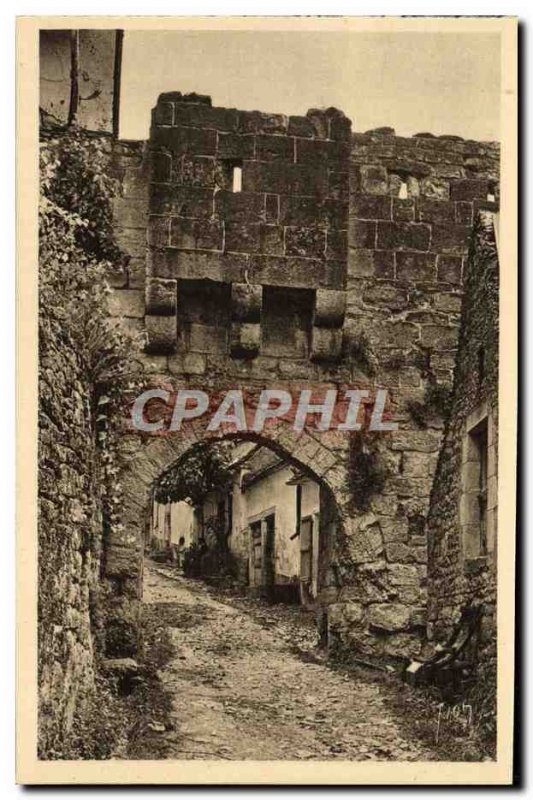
x,y
29,769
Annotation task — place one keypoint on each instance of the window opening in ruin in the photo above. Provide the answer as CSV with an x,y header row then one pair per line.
x,y
491,193
237,177
475,491
481,442
403,194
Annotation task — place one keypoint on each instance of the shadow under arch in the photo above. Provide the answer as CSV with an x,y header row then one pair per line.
x,y
146,458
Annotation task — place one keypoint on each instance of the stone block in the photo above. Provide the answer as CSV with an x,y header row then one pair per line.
x,y
163,114
373,206
415,266
126,303
272,240
301,211
204,116
402,645
374,179
245,339
326,344
301,126
339,185
158,231
451,239
260,122
160,167
310,151
187,364
444,301
330,308
395,334
190,234
196,171
278,177
430,210
272,208
337,245
274,148
361,263
438,188
206,338
306,242
194,141
440,337
340,126
469,189
449,269
299,273
246,302
235,146
161,296
403,210
319,121
386,295
384,263
242,238
388,617
361,234
132,242
136,270
464,213
403,236
240,207
186,201
161,333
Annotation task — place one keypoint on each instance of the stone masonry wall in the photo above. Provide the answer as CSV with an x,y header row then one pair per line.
x,y
243,289
457,575
69,533
412,206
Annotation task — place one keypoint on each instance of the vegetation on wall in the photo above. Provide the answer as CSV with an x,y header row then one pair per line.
x,y
366,471
437,396
86,375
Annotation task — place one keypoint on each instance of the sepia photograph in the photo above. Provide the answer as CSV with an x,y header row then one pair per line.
x,y
275,294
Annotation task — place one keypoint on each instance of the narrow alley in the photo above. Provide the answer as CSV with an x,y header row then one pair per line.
x,y
242,691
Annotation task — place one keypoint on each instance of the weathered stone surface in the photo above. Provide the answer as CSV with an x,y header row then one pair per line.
x,y
326,344
403,236
246,302
389,616
126,303
161,334
374,180
161,296
245,339
330,308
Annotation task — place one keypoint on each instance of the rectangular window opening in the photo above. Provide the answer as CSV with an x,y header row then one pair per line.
x,y
477,488
236,178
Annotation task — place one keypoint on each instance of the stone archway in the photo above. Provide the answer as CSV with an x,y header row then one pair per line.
x,y
144,459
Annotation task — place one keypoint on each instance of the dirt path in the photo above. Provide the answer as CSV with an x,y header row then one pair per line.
x,y
240,692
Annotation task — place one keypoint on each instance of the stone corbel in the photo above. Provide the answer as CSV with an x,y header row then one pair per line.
x,y
328,321
246,305
161,315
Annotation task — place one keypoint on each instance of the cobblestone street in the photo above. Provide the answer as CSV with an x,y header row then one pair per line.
x,y
240,691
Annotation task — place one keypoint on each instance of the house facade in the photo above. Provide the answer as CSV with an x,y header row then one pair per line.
x,y
268,518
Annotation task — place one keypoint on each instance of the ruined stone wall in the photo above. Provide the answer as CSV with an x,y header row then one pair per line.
x,y
69,532
256,288
412,206
461,573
